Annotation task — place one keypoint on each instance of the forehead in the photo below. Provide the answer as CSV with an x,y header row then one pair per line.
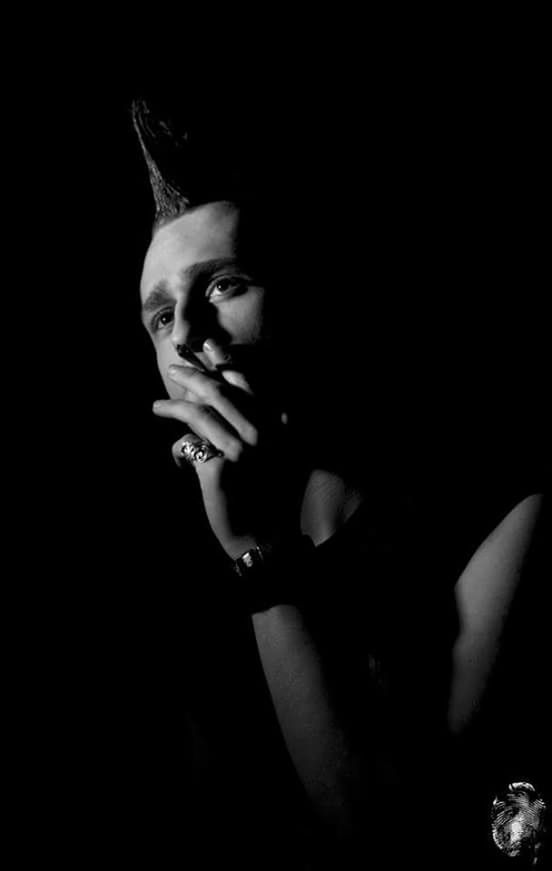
x,y
206,232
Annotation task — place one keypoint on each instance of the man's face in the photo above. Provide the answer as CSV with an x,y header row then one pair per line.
x,y
197,283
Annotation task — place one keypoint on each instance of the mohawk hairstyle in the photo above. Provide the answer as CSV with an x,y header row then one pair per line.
x,y
160,145
188,163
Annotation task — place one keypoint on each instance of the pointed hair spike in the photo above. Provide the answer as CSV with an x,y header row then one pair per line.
x,y
159,141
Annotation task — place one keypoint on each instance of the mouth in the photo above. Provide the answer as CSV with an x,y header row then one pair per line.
x,y
190,359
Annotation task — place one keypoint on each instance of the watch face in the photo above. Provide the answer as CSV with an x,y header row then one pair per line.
x,y
248,561
518,821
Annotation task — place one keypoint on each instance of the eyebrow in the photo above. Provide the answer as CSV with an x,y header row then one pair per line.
x,y
160,294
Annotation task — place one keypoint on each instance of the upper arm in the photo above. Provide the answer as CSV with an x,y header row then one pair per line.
x,y
485,593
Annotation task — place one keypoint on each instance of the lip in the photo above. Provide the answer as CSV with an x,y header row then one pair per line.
x,y
190,359
188,365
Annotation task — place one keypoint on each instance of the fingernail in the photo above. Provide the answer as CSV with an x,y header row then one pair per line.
x,y
156,405
208,345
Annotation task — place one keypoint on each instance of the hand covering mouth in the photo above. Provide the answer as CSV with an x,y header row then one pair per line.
x,y
189,358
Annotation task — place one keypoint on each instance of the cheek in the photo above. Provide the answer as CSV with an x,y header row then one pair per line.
x,y
164,358
247,319
162,362
173,390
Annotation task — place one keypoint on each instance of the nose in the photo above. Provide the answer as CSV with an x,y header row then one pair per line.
x,y
192,324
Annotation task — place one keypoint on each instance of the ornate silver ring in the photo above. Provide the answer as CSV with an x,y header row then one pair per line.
x,y
198,451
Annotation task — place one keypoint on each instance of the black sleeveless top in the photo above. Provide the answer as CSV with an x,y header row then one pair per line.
x,y
380,605
169,729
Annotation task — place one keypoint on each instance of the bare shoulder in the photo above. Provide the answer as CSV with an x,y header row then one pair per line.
x,y
485,595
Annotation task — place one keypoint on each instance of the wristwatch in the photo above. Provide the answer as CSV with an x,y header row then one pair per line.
x,y
271,574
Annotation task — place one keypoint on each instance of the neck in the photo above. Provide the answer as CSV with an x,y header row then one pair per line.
x,y
328,503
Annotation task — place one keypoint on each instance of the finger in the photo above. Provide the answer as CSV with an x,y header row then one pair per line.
x,y
204,421
216,353
224,400
180,446
221,359
237,379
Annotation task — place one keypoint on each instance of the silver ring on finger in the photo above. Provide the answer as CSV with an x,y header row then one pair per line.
x,y
200,451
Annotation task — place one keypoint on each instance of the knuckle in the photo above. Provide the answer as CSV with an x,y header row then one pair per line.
x,y
195,381
210,389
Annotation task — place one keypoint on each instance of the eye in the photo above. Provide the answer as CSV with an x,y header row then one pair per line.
x,y
162,319
227,285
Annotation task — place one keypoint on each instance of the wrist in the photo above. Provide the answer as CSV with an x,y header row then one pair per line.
x,y
273,573
276,539
237,546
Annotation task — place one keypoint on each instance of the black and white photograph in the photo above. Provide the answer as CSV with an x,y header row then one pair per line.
x,y
301,525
